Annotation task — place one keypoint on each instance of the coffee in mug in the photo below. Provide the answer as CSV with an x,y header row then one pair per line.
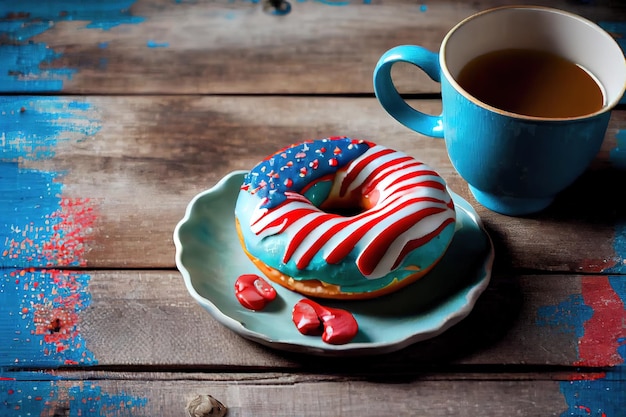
x,y
532,82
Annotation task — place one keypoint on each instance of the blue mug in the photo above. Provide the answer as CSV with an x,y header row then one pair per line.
x,y
514,164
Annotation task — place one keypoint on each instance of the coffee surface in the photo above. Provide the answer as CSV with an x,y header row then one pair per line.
x,y
532,83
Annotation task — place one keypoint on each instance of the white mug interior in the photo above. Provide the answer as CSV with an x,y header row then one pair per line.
x,y
527,27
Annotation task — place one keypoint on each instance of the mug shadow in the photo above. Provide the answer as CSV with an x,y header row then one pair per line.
x,y
593,198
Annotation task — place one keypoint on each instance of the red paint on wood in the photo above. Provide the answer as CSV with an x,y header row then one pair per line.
x,y
603,331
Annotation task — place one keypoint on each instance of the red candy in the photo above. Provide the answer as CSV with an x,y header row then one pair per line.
x,y
336,326
254,292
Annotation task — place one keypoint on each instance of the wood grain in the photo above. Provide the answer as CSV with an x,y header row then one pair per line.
x,y
151,155
139,319
285,395
226,47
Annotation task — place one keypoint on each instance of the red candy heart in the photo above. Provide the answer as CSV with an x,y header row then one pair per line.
x,y
305,318
254,292
339,326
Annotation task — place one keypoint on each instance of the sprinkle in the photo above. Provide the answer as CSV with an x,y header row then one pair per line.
x,y
333,162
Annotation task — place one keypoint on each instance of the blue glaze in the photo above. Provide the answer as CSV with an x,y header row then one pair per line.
x,y
311,160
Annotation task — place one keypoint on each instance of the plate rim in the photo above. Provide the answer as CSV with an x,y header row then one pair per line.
x,y
352,348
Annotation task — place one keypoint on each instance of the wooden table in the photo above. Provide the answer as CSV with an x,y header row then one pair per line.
x,y
116,113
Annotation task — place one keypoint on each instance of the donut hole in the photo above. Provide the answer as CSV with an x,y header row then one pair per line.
x,y
344,211
350,206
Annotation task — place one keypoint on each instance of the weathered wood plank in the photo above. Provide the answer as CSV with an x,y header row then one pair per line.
x,y
150,318
116,173
140,319
224,46
288,396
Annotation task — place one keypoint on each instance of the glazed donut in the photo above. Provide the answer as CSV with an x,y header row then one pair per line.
x,y
343,218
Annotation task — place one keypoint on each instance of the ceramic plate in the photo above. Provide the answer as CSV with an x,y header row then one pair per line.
x,y
210,258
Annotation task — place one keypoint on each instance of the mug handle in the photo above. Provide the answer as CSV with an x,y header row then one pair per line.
x,y
391,100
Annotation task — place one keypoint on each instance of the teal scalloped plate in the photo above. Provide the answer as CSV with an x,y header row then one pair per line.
x,y
210,259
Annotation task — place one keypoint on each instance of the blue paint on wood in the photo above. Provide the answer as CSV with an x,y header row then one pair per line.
x,y
594,398
34,15
619,240
618,154
32,224
154,44
617,157
32,127
46,398
24,68
40,304
28,198
27,63
566,317
39,308
600,394
39,318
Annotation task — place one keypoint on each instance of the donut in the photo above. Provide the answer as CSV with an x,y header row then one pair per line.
x,y
343,218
